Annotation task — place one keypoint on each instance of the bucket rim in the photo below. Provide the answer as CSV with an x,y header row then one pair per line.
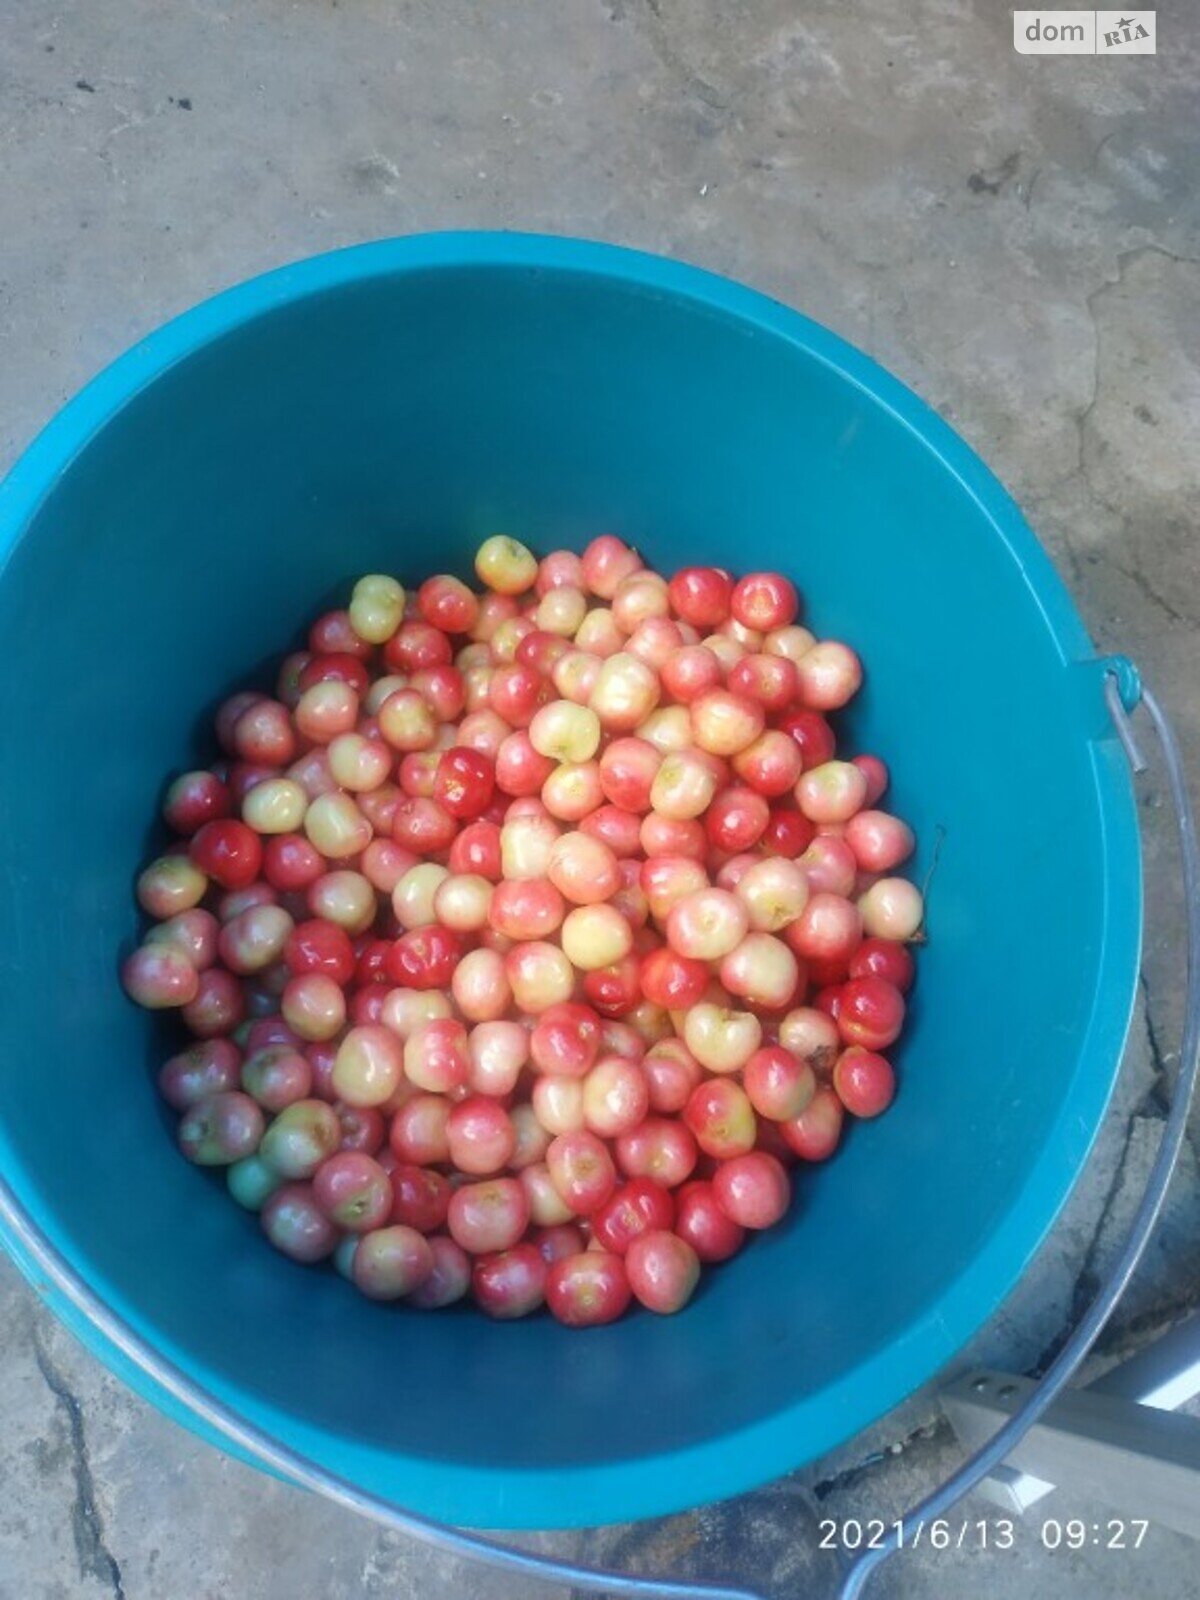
x,y
667,1481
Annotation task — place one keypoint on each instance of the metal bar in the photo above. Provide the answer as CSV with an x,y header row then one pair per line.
x,y
1162,1375
1133,1457
1014,1492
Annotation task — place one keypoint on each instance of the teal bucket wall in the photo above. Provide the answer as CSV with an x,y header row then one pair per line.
x,y
382,409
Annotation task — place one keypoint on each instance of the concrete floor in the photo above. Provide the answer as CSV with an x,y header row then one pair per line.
x,y
1014,236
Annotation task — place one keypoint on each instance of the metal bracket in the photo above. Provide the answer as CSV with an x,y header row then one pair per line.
x,y
1119,1440
1160,1377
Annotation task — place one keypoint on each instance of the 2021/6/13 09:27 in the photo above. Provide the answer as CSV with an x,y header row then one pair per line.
x,y
982,1533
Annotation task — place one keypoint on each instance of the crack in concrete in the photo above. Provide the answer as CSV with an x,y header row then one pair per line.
x,y
1158,1092
1111,134
1087,1279
655,29
1149,1326
1154,1104
1083,416
1073,560
939,1428
95,1558
1140,582
1082,469
991,180
1125,260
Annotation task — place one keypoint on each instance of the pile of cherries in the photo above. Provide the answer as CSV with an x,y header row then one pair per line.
x,y
527,938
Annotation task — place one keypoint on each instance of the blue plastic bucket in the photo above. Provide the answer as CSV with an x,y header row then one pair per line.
x,y
381,409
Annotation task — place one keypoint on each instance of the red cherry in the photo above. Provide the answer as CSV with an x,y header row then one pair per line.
x,y
815,1133
291,862
619,830
463,783
864,1082
519,769
586,1290
423,826
318,945
333,634
415,645
516,693
476,850
443,687
691,671
876,774
510,1283
884,958
540,650
615,991
227,851
673,981
701,1222
701,595
446,603
371,961
194,799
764,600
566,1040
663,1271
813,734
337,668
771,680
420,1198
424,958
787,833
871,1012
736,819
639,1206
753,1190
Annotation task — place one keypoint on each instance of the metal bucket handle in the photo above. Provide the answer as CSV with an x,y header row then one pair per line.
x,y
1122,693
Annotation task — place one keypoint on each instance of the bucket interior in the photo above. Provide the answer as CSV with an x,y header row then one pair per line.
x,y
388,422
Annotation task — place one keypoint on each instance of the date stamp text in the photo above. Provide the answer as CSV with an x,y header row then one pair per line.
x,y
981,1533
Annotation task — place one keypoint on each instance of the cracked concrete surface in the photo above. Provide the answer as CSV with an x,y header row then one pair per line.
x,y
1016,237
95,1559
